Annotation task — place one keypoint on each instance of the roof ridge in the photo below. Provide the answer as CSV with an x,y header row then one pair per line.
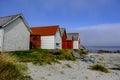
x,y
45,26
10,15
62,28
73,33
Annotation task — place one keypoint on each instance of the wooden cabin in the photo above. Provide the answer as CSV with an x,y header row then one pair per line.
x,y
50,37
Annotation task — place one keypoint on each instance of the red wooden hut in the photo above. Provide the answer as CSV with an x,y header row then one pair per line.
x,y
69,41
75,39
64,38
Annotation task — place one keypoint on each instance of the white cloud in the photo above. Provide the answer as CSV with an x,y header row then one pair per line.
x,y
104,34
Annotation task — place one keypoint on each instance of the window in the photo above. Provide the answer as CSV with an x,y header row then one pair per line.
x,y
57,44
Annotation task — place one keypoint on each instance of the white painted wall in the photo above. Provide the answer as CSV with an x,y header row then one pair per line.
x,y
48,42
75,45
16,36
1,38
58,40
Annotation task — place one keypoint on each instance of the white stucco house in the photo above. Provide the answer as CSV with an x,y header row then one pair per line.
x,y
50,37
14,33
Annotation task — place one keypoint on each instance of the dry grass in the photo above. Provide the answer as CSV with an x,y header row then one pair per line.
x,y
10,69
66,54
68,65
99,67
83,50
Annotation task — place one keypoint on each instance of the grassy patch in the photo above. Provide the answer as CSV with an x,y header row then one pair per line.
x,y
68,65
83,50
99,67
42,56
66,54
62,72
10,69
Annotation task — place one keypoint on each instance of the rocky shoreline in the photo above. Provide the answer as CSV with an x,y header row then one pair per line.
x,y
108,51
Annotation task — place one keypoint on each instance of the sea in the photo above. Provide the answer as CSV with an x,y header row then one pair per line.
x,y
107,48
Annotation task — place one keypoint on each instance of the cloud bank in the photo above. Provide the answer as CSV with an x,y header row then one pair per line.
x,y
102,35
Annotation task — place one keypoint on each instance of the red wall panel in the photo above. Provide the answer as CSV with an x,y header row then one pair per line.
x,y
35,41
64,44
69,44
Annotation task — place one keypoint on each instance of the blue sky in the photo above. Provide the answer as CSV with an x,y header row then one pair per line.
x,y
97,21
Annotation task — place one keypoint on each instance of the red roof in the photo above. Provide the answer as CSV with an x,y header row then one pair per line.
x,y
45,30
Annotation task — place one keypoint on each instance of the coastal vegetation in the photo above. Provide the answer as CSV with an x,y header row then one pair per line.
x,y
66,54
68,65
83,50
43,56
99,67
10,69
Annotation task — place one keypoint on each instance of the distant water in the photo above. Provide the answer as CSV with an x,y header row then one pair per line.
x,y
108,48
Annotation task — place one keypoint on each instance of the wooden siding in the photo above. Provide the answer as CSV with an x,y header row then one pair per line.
x,y
16,36
75,45
58,42
64,43
35,41
1,39
69,44
48,42
79,43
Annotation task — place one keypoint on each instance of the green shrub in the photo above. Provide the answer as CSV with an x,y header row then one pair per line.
x,y
99,67
10,69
